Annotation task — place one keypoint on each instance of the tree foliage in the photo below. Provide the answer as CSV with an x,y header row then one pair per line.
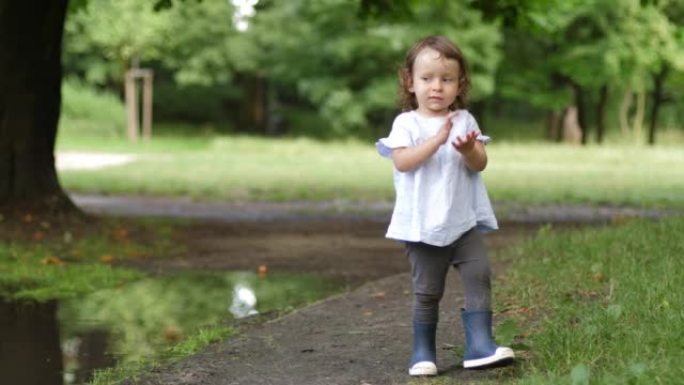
x,y
339,58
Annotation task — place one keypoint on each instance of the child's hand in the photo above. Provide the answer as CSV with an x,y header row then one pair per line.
x,y
443,133
465,144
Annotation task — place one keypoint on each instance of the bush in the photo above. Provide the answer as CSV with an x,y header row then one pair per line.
x,y
195,104
89,112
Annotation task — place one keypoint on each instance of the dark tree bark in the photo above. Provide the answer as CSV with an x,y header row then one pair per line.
x,y
479,109
554,126
601,114
30,99
30,352
581,111
658,98
92,355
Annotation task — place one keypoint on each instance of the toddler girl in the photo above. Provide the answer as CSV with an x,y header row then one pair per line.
x,y
441,202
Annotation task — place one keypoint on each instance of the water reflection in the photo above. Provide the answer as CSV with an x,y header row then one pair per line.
x,y
244,302
64,343
30,353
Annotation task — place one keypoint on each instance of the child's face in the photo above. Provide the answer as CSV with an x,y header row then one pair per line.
x,y
434,82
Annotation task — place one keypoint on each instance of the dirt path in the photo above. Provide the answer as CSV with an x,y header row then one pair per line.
x,y
360,337
357,338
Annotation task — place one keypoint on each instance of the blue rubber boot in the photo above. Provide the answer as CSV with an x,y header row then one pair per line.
x,y
424,357
480,349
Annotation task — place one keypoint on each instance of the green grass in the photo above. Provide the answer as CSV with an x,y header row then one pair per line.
x,y
238,168
546,173
193,344
243,169
58,263
600,306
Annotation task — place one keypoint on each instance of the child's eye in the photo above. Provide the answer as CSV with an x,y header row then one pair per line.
x,y
447,80
425,78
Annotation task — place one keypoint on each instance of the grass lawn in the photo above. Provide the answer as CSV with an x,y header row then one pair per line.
x,y
599,306
42,260
234,168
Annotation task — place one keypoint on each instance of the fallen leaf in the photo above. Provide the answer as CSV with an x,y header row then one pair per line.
x,y
172,334
52,260
598,277
107,259
263,271
133,253
120,233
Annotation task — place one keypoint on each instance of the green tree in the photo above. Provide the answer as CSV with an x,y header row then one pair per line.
x,y
104,37
671,58
31,73
591,48
345,66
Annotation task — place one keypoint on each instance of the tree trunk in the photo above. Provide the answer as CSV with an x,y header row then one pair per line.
x,y
554,126
30,99
624,111
601,114
658,80
581,112
572,132
639,114
254,109
30,353
92,355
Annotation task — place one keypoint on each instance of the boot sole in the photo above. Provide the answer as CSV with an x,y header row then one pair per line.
x,y
502,356
423,368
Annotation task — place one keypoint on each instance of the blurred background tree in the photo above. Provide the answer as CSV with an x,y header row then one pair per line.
x,y
327,68
578,70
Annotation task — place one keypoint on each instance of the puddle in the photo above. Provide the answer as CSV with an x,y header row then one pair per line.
x,y
63,343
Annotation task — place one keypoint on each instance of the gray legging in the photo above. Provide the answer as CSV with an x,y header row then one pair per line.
x,y
429,268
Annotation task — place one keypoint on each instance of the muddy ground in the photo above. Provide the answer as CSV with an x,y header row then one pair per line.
x,y
359,337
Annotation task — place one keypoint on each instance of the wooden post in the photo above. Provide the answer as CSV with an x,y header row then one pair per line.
x,y
147,105
131,106
132,103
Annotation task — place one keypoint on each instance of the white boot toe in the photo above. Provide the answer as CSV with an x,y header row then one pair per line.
x,y
423,368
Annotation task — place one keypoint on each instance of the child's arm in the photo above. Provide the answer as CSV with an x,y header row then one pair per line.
x,y
410,158
473,152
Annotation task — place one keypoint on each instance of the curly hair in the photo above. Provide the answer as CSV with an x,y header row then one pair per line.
x,y
449,50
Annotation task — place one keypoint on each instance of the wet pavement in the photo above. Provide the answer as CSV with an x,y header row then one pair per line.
x,y
278,211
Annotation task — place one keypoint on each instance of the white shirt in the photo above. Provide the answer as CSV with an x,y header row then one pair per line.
x,y
442,199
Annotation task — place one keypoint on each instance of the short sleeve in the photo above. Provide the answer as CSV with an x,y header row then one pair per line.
x,y
400,136
471,125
